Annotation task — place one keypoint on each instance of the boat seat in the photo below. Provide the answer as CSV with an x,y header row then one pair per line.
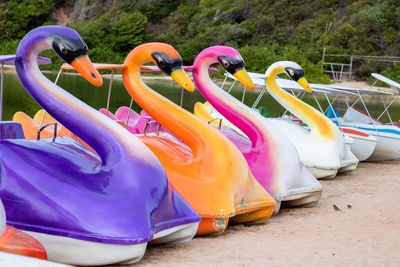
x,y
11,130
332,113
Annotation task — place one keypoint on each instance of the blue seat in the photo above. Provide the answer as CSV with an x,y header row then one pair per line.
x,y
11,130
332,113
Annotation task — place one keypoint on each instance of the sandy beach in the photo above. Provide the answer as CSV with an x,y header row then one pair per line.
x,y
365,231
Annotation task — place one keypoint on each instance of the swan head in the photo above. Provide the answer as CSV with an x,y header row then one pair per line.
x,y
166,58
229,59
71,48
292,69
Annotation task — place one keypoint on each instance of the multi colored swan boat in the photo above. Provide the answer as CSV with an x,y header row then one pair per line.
x,y
272,158
219,194
85,208
321,146
361,144
207,170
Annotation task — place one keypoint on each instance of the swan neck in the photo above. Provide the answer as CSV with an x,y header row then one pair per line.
x,y
233,110
174,118
318,123
87,123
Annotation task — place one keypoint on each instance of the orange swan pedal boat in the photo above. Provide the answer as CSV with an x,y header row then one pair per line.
x,y
209,171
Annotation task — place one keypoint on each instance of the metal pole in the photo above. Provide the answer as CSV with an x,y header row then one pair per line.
x,y
129,112
244,93
366,109
333,111
387,108
223,83
316,100
181,97
1,93
348,108
259,97
109,92
233,84
44,113
333,101
351,68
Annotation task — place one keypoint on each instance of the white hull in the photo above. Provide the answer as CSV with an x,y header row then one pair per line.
x,y
387,136
8,259
387,144
322,173
363,146
387,148
85,253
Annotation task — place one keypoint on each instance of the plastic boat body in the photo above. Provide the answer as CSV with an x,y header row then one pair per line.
x,y
85,207
387,136
361,144
206,169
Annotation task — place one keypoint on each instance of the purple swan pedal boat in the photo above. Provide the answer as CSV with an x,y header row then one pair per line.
x,y
85,208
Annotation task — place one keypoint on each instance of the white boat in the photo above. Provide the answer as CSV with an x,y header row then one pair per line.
x,y
387,135
361,143
321,146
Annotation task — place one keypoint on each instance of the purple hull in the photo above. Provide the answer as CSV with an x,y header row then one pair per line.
x,y
119,195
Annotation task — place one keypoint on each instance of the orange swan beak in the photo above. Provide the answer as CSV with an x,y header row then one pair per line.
x,y
303,83
182,79
243,77
85,67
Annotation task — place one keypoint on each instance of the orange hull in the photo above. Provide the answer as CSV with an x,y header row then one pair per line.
x,y
17,242
234,199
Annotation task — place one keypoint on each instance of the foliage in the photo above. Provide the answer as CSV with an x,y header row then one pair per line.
x,y
263,31
16,16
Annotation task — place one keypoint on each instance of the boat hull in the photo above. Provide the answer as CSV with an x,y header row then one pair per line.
x,y
363,144
86,253
387,148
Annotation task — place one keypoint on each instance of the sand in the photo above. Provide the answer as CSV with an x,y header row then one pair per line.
x,y
364,232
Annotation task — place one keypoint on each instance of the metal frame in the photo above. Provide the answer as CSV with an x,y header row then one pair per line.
x,y
44,113
44,126
338,74
148,124
220,122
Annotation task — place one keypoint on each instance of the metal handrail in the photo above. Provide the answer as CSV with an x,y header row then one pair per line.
x,y
148,124
220,122
44,126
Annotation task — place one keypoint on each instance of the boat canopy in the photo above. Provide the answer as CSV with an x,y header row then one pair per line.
x,y
10,60
394,85
359,91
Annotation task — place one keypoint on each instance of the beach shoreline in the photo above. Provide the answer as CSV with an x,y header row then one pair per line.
x,y
363,232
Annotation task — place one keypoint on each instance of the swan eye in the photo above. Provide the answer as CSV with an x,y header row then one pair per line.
x,y
295,74
63,49
161,64
231,65
224,63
